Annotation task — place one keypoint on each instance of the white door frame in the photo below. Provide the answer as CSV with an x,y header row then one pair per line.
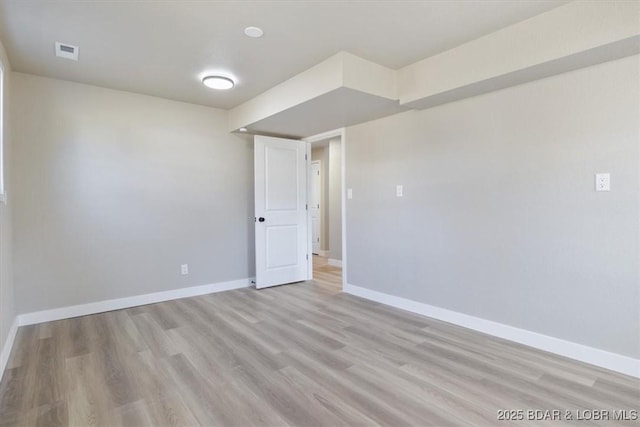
x,y
343,195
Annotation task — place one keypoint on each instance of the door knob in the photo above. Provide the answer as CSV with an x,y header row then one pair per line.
x,y
261,219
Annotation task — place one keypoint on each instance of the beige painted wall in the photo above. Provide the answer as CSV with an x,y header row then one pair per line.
x,y
7,300
322,153
113,191
335,199
500,219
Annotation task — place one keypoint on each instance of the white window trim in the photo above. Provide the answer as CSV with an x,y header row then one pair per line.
x,y
3,192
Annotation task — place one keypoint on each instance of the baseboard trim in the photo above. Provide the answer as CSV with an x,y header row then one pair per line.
x,y
8,345
604,359
120,303
335,262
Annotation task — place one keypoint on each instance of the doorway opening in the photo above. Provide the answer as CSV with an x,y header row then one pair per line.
x,y
293,220
325,209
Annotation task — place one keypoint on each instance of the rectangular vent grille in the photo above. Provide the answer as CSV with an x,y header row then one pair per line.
x,y
64,50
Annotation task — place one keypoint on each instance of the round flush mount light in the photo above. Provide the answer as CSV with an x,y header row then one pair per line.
x,y
253,32
218,82
242,129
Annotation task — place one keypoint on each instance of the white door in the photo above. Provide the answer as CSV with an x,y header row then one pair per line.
x,y
314,206
280,207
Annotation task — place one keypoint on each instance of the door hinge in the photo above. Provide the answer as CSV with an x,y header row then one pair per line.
x,y
307,256
306,207
305,157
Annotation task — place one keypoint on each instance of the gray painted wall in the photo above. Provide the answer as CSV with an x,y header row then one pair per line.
x,y
113,191
7,301
500,219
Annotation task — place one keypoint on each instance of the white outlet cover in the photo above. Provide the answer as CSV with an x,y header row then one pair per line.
x,y
399,191
603,182
184,269
349,193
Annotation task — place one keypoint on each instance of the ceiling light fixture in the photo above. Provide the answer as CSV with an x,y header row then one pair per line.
x,y
218,82
242,129
253,32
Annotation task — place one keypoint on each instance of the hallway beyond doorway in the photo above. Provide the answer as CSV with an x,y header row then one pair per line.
x,y
325,273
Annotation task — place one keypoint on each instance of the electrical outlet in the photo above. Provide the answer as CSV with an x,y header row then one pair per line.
x,y
349,193
184,269
399,191
603,182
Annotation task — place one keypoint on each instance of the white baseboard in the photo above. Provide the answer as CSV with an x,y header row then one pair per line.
x,y
120,303
8,345
335,262
615,362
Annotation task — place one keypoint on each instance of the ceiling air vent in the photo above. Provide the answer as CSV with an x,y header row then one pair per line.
x,y
67,51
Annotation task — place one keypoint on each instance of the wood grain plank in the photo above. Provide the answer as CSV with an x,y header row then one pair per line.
x,y
297,355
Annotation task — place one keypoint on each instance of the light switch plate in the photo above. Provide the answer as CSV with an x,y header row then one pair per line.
x,y
603,182
399,191
349,193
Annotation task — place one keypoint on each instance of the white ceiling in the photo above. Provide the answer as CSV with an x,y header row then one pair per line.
x,y
161,48
339,108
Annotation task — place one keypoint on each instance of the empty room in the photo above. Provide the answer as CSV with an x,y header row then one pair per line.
x,y
319,213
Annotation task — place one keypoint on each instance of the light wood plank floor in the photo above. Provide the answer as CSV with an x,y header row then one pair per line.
x,y
301,355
